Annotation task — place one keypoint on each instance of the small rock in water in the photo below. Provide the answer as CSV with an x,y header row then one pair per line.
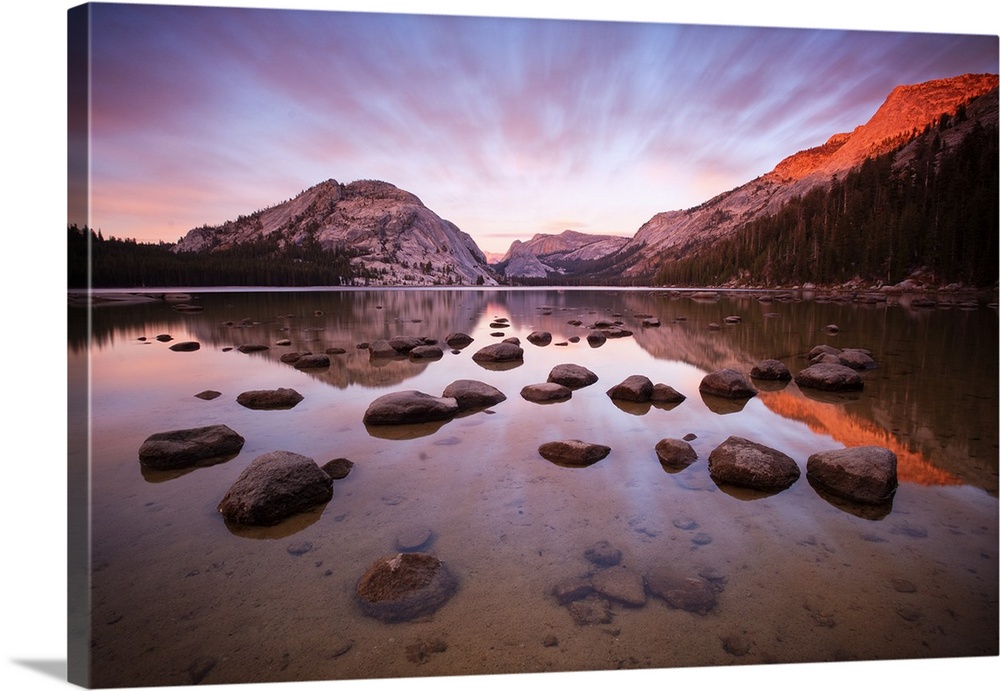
x,y
573,452
675,453
297,549
405,586
413,538
590,611
546,391
185,346
208,395
603,554
421,651
901,585
736,645
338,468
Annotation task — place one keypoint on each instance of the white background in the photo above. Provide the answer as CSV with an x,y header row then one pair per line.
x,y
34,465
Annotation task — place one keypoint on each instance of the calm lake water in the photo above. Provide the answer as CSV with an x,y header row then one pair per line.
x,y
180,597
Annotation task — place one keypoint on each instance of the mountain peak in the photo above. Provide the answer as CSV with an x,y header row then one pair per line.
x,y
908,109
392,237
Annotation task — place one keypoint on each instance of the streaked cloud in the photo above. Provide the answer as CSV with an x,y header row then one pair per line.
x,y
506,127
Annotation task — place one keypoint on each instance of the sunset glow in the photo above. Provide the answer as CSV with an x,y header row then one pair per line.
x,y
507,127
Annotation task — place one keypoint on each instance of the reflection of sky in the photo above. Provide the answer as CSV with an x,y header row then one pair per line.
x,y
507,127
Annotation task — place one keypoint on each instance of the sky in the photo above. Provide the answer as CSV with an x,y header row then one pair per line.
x,y
505,126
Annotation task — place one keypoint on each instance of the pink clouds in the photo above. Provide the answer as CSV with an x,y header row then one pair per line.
x,y
504,126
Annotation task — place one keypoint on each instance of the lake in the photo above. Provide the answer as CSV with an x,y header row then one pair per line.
x,y
180,596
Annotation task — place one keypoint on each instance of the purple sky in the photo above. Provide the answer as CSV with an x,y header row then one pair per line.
x,y
507,127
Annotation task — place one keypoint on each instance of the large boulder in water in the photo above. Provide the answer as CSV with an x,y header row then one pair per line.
x,y
471,394
405,586
726,383
406,407
739,461
863,474
275,486
830,377
185,447
572,376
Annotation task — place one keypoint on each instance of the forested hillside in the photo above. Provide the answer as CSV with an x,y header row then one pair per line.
x,y
118,263
936,213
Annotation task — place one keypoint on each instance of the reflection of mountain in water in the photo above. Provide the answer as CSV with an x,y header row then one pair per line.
x,y
315,321
934,393
851,430
935,389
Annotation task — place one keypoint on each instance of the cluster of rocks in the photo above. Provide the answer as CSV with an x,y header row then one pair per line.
x,y
273,487
591,598
410,407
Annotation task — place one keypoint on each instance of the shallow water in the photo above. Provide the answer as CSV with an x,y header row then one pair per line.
x,y
178,596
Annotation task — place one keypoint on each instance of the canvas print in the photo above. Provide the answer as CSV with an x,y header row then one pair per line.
x,y
412,345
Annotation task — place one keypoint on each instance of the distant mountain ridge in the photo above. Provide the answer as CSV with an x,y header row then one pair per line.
x,y
389,230
391,238
545,255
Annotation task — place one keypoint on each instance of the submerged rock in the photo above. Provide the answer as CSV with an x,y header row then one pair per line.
x,y
692,594
185,447
745,463
405,407
603,554
275,486
405,586
864,474
620,585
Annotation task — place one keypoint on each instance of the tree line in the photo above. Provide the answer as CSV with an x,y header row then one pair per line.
x,y
99,262
881,222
